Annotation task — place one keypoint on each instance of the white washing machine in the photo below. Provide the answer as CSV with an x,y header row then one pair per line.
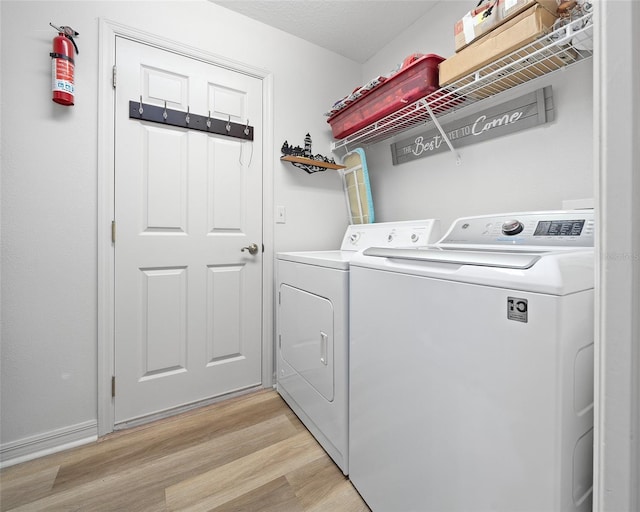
x,y
471,368
312,326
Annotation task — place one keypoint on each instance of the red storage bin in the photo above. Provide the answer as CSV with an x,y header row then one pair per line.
x,y
414,81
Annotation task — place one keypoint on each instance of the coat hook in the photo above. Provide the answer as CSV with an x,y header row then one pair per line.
x,y
209,120
187,118
246,128
164,114
140,109
228,127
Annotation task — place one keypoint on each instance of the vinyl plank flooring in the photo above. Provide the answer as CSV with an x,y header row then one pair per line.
x,y
27,485
275,496
312,482
149,479
216,487
341,497
143,444
250,453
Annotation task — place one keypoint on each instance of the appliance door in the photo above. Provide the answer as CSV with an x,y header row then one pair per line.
x,y
455,405
306,337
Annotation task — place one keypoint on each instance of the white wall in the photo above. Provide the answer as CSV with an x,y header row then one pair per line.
x,y
533,169
50,187
617,356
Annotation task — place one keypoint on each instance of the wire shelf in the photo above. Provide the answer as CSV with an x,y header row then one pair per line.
x,y
554,51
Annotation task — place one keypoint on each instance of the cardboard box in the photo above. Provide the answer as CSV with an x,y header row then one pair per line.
x,y
512,35
491,15
507,9
475,23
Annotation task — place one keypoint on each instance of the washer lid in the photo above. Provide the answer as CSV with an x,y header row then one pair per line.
x,y
557,272
511,259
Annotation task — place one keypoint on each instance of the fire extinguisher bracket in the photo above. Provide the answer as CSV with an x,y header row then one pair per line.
x,y
162,115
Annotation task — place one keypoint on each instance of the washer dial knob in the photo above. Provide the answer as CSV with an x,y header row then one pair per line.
x,y
512,227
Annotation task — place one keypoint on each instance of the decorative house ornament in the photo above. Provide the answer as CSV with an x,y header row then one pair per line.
x,y
304,159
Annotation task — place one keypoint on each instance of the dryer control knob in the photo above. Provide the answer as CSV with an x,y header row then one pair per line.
x,y
354,237
512,227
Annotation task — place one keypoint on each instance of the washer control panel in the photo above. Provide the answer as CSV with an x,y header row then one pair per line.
x,y
563,228
391,234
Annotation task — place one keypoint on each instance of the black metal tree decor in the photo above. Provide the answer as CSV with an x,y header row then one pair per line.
x,y
304,159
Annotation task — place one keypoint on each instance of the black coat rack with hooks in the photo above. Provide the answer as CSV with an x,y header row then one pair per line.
x,y
167,116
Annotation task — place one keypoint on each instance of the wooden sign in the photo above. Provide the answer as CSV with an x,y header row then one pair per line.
x,y
518,114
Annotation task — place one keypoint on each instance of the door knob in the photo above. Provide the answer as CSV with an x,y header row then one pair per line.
x,y
253,249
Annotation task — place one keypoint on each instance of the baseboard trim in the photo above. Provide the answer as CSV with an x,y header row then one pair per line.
x,y
53,441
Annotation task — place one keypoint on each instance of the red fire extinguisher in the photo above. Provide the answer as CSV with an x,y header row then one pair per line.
x,y
63,65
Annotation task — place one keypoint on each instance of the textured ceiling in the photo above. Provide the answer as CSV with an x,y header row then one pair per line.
x,y
356,29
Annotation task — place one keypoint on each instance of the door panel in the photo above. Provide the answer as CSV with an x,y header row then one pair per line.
x,y
188,302
164,337
164,192
228,102
225,190
162,85
224,332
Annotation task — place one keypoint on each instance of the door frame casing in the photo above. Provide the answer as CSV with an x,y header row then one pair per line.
x,y
109,31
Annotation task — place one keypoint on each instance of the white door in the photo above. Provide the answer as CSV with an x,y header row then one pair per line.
x,y
188,301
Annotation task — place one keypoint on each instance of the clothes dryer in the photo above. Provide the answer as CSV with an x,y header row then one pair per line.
x,y
312,327
471,368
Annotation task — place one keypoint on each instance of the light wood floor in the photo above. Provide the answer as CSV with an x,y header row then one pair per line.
x,y
247,454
